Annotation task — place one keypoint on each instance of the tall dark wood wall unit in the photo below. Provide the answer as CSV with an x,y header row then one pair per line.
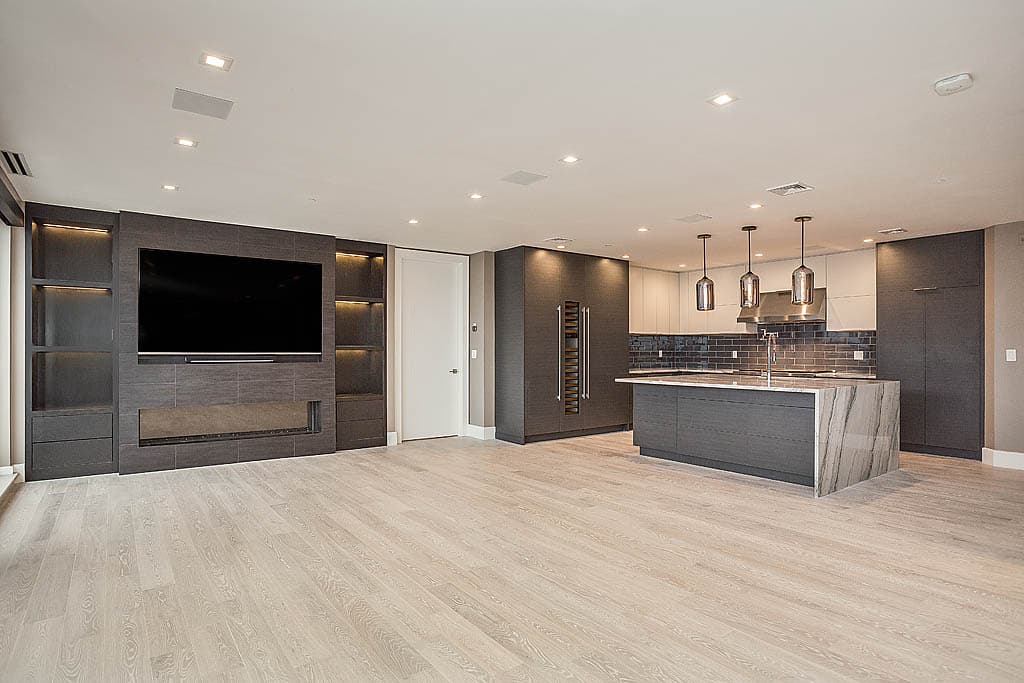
x,y
931,329
561,338
71,300
360,346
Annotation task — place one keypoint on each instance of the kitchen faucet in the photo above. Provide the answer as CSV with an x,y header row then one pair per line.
x,y
771,343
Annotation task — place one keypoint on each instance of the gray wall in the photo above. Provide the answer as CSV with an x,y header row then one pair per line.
x,y
1004,329
157,386
16,385
481,313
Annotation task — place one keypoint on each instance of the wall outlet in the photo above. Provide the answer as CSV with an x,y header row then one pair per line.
x,y
858,355
735,354
1011,355
660,352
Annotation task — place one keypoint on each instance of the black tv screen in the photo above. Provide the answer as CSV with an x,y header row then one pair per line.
x,y
211,304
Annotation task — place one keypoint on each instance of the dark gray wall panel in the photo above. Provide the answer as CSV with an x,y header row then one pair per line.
x,y
155,385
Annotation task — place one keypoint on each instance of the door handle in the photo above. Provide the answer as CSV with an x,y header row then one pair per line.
x,y
454,371
587,395
558,349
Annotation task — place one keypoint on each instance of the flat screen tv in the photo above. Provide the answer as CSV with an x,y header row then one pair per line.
x,y
208,304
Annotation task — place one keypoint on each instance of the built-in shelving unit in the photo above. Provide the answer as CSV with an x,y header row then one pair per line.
x,y
71,388
359,338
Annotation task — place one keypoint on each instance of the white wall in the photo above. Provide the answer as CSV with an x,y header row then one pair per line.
x,y
12,346
1004,329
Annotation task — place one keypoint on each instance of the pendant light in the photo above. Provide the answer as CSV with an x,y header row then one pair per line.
x,y
750,284
705,285
803,277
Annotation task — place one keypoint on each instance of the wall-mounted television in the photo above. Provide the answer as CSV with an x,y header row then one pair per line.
x,y
212,305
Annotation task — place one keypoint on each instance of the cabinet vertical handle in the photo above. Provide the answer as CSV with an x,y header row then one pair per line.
x,y
558,349
586,355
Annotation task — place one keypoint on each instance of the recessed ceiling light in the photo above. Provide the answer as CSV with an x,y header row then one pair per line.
x,y
642,229
759,254
722,99
868,239
171,188
476,195
626,256
755,205
682,265
186,142
218,62
413,221
570,159
560,246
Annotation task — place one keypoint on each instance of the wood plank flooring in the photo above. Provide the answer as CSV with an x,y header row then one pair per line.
x,y
458,559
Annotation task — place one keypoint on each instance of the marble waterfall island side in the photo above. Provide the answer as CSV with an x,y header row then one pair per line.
x,y
823,433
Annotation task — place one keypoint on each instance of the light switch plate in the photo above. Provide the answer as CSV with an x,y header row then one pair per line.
x,y
1011,355
472,354
858,355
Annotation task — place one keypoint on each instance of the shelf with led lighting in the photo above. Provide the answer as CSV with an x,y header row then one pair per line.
x,y
360,341
71,342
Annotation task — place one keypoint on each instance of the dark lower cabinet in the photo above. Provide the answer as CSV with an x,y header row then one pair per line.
x,y
931,316
561,339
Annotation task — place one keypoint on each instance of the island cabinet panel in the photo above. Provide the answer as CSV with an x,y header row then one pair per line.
x,y
561,339
930,311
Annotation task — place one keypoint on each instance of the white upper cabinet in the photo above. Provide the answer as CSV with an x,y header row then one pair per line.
x,y
777,276
851,273
850,313
654,301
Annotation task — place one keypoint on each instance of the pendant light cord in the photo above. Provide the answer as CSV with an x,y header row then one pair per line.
x,y
749,268
802,223
704,243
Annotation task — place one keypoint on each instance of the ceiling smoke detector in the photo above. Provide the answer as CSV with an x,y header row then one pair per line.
x,y
790,188
694,218
892,231
558,242
953,84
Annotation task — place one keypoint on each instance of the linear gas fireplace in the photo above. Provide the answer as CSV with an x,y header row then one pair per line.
x,y
190,424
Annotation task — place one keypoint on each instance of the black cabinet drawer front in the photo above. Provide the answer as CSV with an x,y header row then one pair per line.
x,y
72,427
783,422
764,452
369,409
360,429
654,435
751,396
655,404
59,454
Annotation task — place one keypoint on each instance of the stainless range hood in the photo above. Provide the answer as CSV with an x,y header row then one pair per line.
x,y
778,307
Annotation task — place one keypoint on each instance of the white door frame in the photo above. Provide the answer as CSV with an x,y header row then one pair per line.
x,y
401,256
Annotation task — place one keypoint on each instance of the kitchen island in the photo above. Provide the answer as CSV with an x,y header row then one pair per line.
x,y
823,433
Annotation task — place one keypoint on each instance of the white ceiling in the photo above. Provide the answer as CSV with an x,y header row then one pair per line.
x,y
384,111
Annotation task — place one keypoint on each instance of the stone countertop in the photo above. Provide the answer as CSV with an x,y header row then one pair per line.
x,y
825,374
803,385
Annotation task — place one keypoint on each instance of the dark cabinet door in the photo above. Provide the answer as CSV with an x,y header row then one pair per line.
x,y
542,342
955,260
607,402
901,356
954,319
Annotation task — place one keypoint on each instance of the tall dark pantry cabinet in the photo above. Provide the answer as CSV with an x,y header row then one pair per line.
x,y
561,338
931,335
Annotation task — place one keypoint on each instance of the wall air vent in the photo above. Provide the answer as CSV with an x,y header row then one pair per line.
x,y
198,103
892,231
524,178
694,218
15,164
790,188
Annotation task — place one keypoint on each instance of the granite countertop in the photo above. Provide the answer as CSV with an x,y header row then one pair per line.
x,y
804,385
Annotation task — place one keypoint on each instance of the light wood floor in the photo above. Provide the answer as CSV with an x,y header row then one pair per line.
x,y
460,559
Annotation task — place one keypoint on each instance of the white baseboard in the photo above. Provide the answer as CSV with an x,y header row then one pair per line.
x,y
1008,459
6,469
392,438
478,432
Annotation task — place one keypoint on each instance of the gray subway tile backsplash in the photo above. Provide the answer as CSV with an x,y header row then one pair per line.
x,y
801,346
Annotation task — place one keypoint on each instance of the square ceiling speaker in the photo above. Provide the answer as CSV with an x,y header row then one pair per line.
x,y
524,178
198,103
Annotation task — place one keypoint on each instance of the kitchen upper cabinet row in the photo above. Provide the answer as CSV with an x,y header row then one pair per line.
x,y
664,302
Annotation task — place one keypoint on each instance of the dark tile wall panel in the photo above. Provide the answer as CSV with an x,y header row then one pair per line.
x,y
158,385
802,346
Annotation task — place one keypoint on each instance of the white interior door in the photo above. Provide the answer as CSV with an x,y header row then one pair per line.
x,y
432,297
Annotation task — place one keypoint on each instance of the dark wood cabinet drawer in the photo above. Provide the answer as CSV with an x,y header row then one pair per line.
x,y
62,454
71,427
369,409
360,429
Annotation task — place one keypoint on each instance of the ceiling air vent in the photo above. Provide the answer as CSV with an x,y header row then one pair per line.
x,y
524,178
790,188
558,241
15,164
198,103
694,218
